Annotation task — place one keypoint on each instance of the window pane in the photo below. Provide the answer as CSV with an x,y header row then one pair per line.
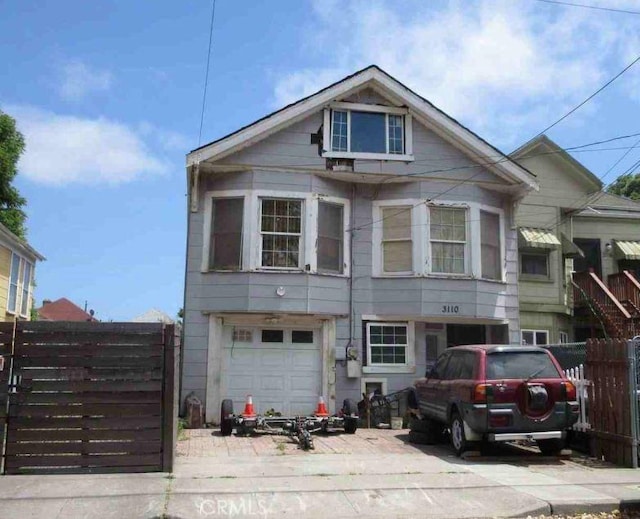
x,y
534,264
26,281
520,365
448,224
490,245
388,344
368,133
527,338
447,258
330,237
541,338
225,250
302,336
396,137
396,256
396,223
339,131
281,226
272,336
13,285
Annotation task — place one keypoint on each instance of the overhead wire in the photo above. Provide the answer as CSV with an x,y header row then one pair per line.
x,y
206,75
587,6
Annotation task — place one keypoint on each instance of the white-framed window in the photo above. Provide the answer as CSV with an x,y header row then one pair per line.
x,y
275,231
564,337
491,245
535,337
20,281
330,237
448,239
225,250
373,386
353,130
534,264
281,232
397,243
390,347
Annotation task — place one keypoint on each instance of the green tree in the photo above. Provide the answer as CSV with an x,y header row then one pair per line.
x,y
627,185
11,203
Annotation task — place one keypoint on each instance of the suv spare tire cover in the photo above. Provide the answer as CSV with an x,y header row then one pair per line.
x,y
534,400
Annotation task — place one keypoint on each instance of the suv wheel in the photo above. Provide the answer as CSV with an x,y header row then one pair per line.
x,y
458,439
550,447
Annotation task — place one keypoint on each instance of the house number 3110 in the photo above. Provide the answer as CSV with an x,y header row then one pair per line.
x,y
450,309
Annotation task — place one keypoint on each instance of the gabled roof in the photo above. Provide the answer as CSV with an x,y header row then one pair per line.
x,y
374,77
18,245
554,150
63,310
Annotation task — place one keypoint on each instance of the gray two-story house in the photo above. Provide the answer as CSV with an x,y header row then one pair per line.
x,y
338,245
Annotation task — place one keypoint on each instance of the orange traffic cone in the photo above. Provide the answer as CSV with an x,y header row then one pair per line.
x,y
322,408
248,412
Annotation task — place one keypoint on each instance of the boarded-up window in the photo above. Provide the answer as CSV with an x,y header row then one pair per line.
x,y
225,250
490,240
397,247
448,230
330,237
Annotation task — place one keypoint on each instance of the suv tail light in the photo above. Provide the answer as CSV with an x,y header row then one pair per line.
x,y
480,393
569,390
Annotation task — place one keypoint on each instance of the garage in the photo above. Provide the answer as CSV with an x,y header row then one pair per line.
x,y
280,367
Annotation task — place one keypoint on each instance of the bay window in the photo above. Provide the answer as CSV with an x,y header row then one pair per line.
x,y
397,245
281,231
252,230
225,249
490,245
448,235
330,237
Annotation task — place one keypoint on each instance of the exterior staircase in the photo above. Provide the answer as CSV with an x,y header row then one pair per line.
x,y
616,307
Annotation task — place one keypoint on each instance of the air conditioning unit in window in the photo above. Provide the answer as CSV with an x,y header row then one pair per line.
x,y
340,164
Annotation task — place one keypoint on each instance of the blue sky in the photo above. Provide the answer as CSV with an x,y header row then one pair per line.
x,y
108,95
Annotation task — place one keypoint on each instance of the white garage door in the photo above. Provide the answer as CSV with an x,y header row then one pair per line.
x,y
281,368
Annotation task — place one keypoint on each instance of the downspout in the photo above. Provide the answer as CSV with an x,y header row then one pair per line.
x,y
351,270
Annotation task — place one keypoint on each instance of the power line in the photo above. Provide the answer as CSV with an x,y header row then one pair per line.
x,y
206,75
590,97
585,6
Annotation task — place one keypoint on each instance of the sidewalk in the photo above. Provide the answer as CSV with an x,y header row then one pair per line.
x,y
271,481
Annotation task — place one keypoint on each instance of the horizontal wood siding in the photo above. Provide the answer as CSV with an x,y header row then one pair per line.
x,y
90,397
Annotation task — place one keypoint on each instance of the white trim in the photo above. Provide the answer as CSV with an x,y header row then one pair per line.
x,y
535,342
366,155
420,222
305,210
563,335
466,243
22,262
361,107
373,380
410,351
372,76
251,235
213,397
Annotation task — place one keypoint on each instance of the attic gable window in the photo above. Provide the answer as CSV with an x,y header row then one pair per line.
x,y
368,132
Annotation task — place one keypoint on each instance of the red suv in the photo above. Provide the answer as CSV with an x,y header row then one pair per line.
x,y
495,393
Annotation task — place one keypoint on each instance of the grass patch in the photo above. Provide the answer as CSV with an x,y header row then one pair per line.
x,y
182,433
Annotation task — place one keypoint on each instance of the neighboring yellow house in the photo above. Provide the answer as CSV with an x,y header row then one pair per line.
x,y
17,267
574,238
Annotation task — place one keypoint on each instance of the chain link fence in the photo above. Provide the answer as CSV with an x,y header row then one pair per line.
x,y
569,355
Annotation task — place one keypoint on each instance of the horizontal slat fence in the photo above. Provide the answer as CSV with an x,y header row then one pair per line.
x,y
90,397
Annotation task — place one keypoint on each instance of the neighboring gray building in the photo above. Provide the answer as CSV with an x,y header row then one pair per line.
x,y
359,222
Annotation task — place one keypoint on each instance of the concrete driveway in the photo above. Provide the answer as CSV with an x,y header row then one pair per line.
x,y
374,473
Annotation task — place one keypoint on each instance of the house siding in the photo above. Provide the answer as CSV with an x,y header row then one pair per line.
x,y
286,162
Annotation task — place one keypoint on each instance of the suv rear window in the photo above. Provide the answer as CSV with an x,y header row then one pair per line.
x,y
515,364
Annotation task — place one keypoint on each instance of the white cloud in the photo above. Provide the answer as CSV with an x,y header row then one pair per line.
x,y
64,149
483,62
78,80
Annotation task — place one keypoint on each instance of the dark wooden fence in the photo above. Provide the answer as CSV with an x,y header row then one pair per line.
x,y
89,397
610,415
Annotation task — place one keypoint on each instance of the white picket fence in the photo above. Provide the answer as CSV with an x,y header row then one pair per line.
x,y
576,375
